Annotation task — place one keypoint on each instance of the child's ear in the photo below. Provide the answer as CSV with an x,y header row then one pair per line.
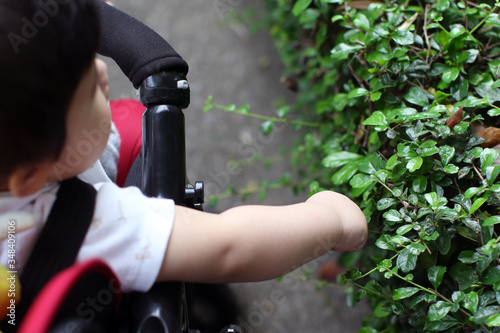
x,y
26,180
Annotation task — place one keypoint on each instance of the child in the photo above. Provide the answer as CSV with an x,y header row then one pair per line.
x,y
55,123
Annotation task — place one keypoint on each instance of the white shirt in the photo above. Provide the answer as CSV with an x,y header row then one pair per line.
x,y
129,231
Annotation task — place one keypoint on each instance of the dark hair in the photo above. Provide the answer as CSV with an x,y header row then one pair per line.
x,y
45,47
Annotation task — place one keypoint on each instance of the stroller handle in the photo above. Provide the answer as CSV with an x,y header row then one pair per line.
x,y
138,50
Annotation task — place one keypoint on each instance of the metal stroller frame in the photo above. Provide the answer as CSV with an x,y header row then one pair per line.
x,y
162,171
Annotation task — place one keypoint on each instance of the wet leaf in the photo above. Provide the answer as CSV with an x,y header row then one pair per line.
x,y
414,164
401,293
435,275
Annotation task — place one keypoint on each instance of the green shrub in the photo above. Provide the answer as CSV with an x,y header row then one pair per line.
x,y
395,97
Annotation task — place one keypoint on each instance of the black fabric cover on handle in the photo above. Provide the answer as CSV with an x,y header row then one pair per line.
x,y
138,50
59,242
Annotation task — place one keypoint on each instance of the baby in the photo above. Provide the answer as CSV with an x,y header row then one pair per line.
x,y
55,97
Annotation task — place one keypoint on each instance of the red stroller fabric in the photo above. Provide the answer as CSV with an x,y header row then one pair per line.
x,y
127,116
56,294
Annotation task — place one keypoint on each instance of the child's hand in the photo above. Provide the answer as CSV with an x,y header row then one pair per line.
x,y
354,226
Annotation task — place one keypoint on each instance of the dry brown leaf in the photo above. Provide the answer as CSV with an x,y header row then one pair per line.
x,y
359,4
456,118
492,136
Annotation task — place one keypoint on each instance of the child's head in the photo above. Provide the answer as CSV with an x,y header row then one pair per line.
x,y
47,51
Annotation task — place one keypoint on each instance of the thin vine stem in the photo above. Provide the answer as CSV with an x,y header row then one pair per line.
x,y
262,117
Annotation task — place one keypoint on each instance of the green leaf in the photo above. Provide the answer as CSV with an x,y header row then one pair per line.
x,y
384,265
404,229
450,74
393,215
477,204
430,151
494,112
384,242
401,240
459,89
484,313
472,102
416,248
451,169
488,157
401,293
283,111
492,173
335,18
300,6
414,164
361,21
472,191
435,275
417,96
376,119
444,240
446,153
403,37
337,159
419,184
406,261
385,203
425,297
485,90
342,50
355,297
267,127
461,128
357,93
428,144
345,173
375,96
392,162
445,323
471,301
490,221
438,310
469,257
494,321
464,275
361,180
491,276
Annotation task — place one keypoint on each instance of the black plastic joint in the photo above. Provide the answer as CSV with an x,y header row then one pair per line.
x,y
195,195
165,88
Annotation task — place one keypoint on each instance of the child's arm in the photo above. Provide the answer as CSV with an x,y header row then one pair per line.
x,y
253,243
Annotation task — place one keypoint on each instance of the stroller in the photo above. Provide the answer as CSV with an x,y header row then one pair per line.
x,y
87,297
